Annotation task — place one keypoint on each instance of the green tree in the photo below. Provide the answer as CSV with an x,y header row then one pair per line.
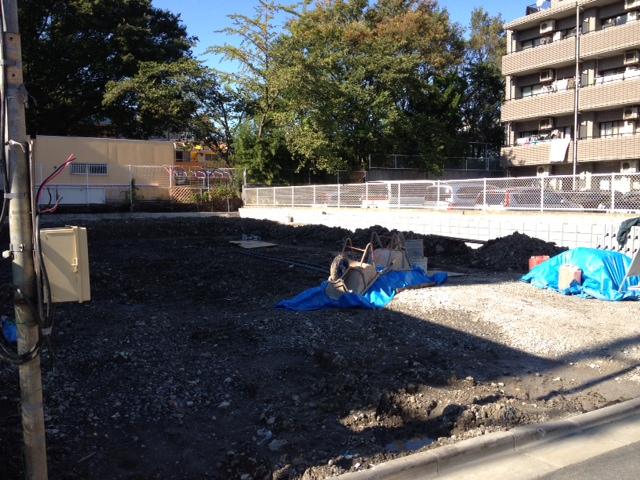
x,y
360,79
73,48
259,145
485,86
181,98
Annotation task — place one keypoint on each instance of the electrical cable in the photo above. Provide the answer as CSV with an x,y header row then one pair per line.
x,y
44,183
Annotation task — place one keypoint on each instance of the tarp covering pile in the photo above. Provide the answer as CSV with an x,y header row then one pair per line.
x,y
603,273
378,296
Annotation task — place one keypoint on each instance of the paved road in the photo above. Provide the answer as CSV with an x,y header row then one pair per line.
x,y
620,464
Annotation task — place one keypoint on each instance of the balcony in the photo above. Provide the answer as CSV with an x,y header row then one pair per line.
x,y
624,147
537,58
549,105
619,38
541,153
610,94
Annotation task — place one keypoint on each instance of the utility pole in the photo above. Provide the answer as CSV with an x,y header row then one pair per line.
x,y
576,98
21,245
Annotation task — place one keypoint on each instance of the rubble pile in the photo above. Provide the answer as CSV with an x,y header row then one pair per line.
x,y
512,253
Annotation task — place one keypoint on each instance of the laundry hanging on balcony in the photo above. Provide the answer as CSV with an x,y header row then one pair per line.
x,y
558,149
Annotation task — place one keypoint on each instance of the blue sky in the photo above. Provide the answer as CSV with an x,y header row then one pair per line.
x,y
204,17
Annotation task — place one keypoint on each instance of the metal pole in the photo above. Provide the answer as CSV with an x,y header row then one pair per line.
x,y
131,189
21,246
576,98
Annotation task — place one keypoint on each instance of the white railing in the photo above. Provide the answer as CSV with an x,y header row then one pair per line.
x,y
587,192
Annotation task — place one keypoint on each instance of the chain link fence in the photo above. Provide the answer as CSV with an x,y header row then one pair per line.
x,y
143,186
595,193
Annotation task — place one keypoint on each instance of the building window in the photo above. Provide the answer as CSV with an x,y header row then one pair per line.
x,y
180,156
616,128
99,169
617,20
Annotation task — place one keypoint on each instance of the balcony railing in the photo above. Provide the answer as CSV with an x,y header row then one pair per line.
x,y
619,147
560,48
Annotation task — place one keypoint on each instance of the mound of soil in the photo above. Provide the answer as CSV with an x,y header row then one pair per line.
x,y
434,245
512,253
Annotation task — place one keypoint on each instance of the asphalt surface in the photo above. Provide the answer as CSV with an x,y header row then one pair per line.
x,y
620,464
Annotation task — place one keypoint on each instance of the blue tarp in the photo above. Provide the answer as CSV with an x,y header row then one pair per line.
x,y
378,296
602,274
9,330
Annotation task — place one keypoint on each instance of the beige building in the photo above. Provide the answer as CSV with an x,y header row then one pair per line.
x,y
544,53
104,168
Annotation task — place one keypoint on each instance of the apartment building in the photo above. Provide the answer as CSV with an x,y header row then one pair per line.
x,y
543,92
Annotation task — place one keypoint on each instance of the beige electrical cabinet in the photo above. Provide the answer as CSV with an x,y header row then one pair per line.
x,y
66,259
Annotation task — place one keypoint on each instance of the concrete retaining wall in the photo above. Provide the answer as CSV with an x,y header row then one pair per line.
x,y
566,229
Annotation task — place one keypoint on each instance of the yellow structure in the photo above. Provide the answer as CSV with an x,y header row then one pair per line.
x,y
193,157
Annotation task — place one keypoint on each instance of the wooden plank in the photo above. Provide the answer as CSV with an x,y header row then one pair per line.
x,y
252,244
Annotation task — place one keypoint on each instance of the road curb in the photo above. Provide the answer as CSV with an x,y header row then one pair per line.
x,y
443,459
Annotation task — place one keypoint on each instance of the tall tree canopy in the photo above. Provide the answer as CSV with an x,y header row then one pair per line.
x,y
73,48
485,86
346,78
363,79
259,146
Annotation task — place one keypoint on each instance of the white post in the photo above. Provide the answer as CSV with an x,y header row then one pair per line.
x,y
613,191
437,193
484,193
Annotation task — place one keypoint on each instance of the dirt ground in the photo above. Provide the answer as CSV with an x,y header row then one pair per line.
x,y
181,368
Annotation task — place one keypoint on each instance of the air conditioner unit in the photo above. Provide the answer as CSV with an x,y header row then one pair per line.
x,y
629,4
630,166
632,57
547,75
548,26
630,113
543,171
546,124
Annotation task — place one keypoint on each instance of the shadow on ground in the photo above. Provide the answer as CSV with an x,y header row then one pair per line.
x,y
181,368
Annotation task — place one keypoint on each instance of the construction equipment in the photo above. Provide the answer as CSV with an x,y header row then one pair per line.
x,y
392,254
349,275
